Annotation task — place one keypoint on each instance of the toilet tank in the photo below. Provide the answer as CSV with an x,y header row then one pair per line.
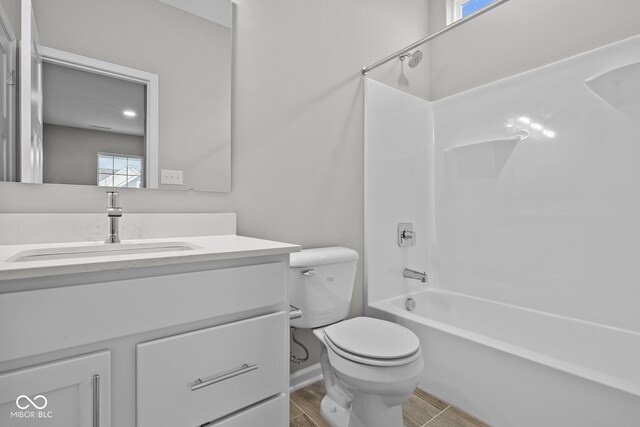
x,y
321,283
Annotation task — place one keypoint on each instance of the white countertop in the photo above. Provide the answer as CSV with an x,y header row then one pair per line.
x,y
209,248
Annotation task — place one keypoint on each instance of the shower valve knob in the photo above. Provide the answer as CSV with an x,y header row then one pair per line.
x,y
406,235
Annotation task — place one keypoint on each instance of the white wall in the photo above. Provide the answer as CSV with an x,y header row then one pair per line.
x,y
12,9
298,174
524,34
297,153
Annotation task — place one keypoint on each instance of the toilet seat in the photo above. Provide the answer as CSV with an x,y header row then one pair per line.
x,y
373,361
374,342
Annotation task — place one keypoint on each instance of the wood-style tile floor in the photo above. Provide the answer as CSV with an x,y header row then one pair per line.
x,y
422,409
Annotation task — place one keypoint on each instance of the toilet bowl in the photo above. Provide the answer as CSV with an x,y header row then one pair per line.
x,y
369,366
375,366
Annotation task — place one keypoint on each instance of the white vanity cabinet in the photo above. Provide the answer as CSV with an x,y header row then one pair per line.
x,y
180,344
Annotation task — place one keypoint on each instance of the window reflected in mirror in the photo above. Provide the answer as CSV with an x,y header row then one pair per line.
x,y
115,170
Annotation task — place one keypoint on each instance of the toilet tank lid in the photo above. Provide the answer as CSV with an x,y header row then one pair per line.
x,y
322,256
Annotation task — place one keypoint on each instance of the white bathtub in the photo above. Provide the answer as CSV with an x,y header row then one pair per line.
x,y
515,367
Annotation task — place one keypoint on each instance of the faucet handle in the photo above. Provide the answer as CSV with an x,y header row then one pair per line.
x,y
113,199
406,235
114,212
113,208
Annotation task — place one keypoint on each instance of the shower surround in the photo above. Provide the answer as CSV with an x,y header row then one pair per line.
x,y
525,201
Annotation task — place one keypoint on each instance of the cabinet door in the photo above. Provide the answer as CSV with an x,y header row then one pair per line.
x,y
67,393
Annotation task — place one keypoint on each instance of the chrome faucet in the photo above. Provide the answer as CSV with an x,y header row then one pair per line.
x,y
412,274
114,212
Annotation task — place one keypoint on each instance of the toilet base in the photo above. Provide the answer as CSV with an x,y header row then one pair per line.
x,y
367,410
334,414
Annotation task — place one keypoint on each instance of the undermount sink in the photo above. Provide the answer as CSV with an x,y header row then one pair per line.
x,y
72,252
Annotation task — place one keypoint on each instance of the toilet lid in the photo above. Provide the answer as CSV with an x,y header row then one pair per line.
x,y
373,338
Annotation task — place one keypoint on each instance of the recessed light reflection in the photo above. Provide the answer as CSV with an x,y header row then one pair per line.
x,y
129,113
525,123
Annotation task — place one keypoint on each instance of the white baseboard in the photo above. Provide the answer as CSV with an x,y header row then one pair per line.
x,y
304,377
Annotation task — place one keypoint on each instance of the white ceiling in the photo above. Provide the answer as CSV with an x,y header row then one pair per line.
x,y
218,11
81,99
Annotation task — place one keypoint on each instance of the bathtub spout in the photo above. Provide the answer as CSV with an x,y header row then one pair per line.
x,y
412,274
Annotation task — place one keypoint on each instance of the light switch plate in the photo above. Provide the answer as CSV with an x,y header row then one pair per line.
x,y
170,177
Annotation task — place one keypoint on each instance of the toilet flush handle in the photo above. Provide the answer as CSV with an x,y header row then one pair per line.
x,y
308,272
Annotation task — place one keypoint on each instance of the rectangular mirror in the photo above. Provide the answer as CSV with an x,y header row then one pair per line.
x,y
171,61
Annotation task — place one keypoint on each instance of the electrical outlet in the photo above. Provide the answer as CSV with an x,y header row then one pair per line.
x,y
170,177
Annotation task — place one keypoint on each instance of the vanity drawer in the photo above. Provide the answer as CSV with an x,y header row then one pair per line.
x,y
194,378
273,413
110,310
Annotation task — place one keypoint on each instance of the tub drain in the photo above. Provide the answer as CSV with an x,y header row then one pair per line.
x,y
410,304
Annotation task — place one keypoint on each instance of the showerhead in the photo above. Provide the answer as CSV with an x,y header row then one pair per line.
x,y
414,58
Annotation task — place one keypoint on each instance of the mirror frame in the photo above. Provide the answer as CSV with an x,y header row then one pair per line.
x,y
29,146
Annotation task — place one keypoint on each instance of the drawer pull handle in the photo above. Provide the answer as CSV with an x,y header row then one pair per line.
x,y
96,400
200,383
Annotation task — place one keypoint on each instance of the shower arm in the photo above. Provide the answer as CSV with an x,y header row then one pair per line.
x,y
437,34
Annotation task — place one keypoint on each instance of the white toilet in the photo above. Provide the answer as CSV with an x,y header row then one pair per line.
x,y
370,366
